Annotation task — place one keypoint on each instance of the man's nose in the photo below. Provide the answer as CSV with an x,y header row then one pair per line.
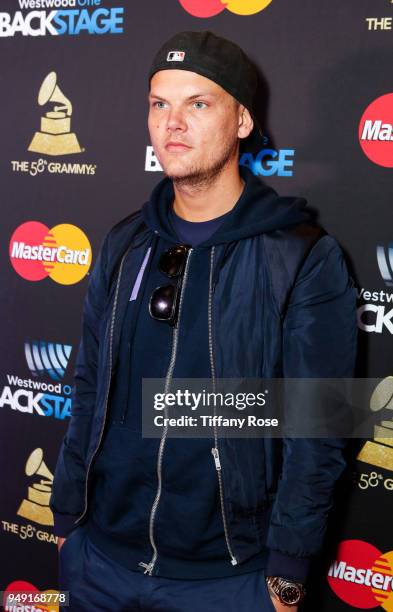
x,y
176,120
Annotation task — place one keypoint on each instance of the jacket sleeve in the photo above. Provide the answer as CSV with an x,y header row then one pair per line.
x,y
319,341
68,491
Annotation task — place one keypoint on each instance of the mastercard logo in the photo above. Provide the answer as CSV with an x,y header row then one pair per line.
x,y
362,576
209,8
23,595
376,131
63,253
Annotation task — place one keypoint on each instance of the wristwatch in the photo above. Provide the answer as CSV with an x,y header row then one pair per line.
x,y
289,593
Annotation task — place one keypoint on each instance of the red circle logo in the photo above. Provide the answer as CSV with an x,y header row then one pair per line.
x,y
376,131
362,576
201,8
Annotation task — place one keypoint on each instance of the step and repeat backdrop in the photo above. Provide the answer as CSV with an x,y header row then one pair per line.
x,y
75,158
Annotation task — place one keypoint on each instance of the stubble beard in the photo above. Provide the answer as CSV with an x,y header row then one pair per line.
x,y
200,177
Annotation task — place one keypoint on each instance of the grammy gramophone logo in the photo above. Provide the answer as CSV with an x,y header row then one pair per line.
x,y
379,451
55,136
36,506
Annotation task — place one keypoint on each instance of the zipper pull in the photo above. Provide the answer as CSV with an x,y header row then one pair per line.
x,y
216,458
147,567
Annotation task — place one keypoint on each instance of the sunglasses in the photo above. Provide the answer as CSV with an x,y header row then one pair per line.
x,y
164,301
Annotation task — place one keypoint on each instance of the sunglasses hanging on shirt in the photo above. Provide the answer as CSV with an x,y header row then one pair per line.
x,y
164,301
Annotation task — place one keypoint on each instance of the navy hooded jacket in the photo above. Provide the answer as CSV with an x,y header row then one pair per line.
x,y
275,495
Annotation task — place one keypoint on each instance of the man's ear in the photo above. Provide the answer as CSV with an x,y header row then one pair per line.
x,y
246,123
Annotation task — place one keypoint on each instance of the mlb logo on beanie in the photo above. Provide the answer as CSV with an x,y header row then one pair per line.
x,y
175,56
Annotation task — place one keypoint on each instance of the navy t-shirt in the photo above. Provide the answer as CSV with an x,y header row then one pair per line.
x,y
195,232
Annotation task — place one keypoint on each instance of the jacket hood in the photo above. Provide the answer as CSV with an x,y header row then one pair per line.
x,y
258,210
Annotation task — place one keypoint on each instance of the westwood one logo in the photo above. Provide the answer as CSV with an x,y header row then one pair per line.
x,y
37,396
72,18
362,576
209,8
376,131
63,253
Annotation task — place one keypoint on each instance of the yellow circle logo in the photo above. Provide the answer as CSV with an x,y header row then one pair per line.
x,y
246,7
73,254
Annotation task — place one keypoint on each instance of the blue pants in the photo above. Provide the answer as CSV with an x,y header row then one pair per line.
x,y
96,583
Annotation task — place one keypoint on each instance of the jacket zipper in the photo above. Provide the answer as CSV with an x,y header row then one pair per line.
x,y
215,451
109,380
149,567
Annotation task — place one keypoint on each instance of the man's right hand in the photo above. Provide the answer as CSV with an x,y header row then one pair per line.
x,y
60,542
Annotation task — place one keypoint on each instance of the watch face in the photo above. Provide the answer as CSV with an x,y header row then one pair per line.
x,y
290,594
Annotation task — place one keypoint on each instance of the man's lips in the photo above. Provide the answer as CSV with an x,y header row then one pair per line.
x,y
176,146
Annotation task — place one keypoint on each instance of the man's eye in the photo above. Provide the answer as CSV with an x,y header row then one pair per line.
x,y
200,104
159,104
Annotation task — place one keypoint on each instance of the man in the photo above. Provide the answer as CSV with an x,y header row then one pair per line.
x,y
215,277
